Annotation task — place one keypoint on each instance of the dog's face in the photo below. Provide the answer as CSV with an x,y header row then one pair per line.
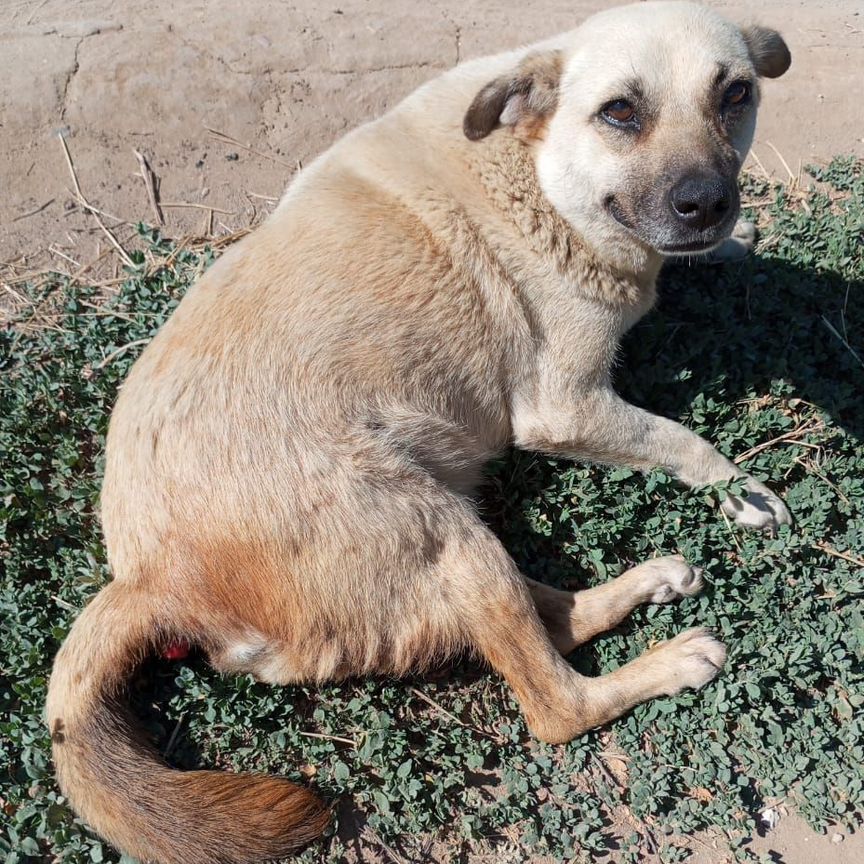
x,y
642,120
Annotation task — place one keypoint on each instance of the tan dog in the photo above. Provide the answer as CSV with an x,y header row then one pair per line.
x,y
288,461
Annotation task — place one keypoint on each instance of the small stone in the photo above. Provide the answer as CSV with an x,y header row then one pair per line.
x,y
837,838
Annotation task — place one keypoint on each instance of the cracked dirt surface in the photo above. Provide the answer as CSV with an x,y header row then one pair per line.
x,y
287,78
284,79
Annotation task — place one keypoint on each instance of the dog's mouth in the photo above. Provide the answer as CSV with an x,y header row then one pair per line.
x,y
693,248
662,239
615,211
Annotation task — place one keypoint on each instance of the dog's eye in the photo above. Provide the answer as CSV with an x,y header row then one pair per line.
x,y
737,94
619,113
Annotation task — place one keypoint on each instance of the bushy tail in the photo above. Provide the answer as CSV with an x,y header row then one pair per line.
x,y
118,783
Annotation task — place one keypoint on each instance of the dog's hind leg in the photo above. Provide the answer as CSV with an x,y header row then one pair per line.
x,y
576,617
500,619
419,577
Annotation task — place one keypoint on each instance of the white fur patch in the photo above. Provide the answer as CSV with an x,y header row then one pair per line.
x,y
242,653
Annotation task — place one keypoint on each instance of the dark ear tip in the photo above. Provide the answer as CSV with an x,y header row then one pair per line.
x,y
784,60
485,109
780,58
768,50
472,133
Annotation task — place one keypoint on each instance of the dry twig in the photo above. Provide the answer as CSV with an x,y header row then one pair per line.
x,y
328,738
836,333
431,702
87,206
173,739
192,206
150,184
834,553
376,838
118,351
788,437
34,211
224,138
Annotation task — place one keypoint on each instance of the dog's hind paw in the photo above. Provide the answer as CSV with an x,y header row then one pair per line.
x,y
691,659
670,578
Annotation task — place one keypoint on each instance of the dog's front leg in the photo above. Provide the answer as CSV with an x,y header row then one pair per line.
x,y
600,426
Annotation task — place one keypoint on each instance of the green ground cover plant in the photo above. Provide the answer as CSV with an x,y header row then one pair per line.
x,y
764,358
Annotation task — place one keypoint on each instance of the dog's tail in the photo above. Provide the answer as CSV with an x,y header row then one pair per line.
x,y
118,783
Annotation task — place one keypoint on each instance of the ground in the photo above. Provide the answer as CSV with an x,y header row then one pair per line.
x,y
226,100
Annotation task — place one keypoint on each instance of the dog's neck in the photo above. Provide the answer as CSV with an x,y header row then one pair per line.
x,y
506,168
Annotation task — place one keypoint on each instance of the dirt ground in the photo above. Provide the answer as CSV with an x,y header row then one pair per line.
x,y
225,100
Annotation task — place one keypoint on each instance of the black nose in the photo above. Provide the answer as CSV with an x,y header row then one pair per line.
x,y
701,200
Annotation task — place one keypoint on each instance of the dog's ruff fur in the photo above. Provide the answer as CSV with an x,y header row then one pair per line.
x,y
288,461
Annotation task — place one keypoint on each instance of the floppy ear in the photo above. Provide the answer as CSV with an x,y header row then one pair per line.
x,y
529,93
767,50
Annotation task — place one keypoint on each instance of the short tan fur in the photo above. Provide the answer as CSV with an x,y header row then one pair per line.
x,y
289,461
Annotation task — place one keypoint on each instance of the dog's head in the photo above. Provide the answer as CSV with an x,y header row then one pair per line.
x,y
641,120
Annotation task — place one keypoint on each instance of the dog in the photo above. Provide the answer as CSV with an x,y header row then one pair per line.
x,y
289,462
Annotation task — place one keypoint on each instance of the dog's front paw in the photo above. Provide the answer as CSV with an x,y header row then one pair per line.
x,y
736,247
760,509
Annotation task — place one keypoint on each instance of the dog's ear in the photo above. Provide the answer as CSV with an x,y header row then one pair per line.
x,y
767,50
528,94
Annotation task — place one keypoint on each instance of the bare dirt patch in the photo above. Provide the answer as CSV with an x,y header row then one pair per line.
x,y
281,82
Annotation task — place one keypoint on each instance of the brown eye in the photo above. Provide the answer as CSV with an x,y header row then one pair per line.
x,y
737,94
619,113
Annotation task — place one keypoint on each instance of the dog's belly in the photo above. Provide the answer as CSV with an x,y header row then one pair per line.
x,y
345,648
355,580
